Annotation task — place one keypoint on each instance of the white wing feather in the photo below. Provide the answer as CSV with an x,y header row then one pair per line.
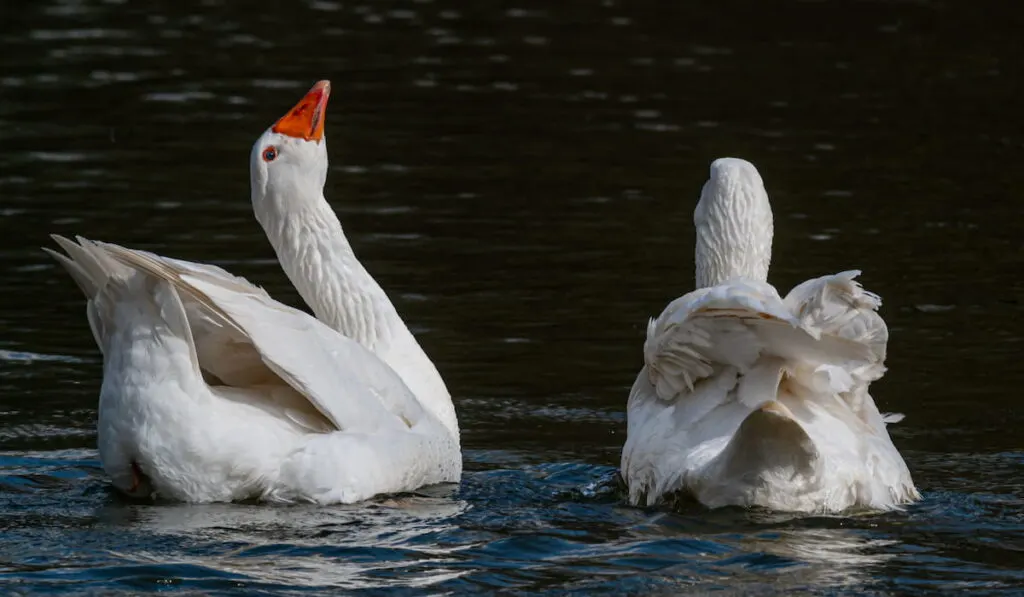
x,y
733,325
345,382
838,305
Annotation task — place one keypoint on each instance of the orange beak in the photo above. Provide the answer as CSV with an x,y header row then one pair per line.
x,y
306,119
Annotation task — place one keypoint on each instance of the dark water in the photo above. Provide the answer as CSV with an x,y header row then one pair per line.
x,y
521,179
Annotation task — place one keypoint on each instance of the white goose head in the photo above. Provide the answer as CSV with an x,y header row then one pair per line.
x,y
288,163
288,169
734,225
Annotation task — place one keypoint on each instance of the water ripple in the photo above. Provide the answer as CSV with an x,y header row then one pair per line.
x,y
521,179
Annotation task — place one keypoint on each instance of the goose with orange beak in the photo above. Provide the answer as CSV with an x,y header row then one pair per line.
x,y
213,391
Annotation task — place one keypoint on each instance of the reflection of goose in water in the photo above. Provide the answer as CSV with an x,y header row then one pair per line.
x,y
341,547
824,557
741,552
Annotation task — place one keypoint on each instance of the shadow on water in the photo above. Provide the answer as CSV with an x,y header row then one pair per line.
x,y
521,180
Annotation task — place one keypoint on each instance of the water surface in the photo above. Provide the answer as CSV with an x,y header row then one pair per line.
x,y
521,179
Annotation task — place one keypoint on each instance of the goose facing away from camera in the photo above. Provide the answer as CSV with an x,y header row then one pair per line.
x,y
214,391
750,399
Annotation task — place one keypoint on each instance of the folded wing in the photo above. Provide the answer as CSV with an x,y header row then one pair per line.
x,y
838,305
733,325
244,337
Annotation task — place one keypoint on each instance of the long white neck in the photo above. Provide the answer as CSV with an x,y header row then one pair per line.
x,y
734,225
318,259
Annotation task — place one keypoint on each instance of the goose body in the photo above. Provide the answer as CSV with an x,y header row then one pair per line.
x,y
749,398
214,391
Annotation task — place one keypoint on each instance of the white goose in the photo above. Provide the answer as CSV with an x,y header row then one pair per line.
x,y
213,391
749,399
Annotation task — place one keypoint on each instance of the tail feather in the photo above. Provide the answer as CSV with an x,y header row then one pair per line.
x,y
92,270
769,447
88,265
84,281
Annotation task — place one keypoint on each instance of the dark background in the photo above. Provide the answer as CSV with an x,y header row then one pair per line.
x,y
521,178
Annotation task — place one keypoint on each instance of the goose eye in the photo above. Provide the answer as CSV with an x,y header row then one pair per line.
x,y
269,154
